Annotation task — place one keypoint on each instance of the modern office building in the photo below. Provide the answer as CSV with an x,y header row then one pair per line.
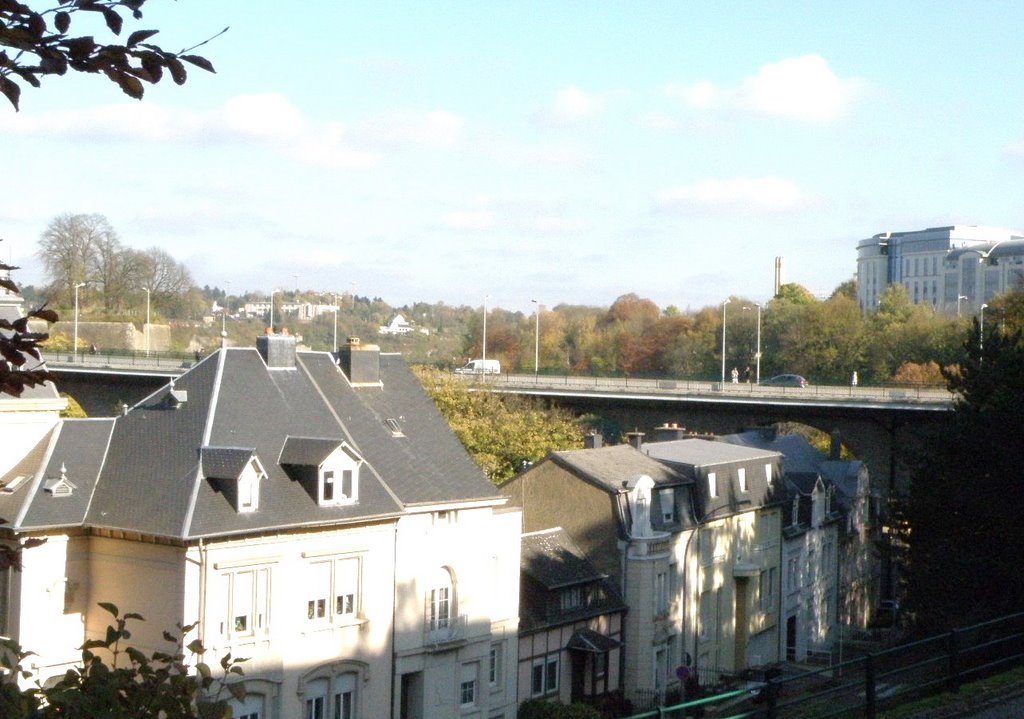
x,y
953,269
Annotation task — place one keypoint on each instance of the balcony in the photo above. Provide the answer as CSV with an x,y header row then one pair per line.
x,y
443,632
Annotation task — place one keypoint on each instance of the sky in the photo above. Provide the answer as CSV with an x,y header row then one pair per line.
x,y
562,151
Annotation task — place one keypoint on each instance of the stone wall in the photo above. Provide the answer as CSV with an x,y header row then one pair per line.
x,y
112,335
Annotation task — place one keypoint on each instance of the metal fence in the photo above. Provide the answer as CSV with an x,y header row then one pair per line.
x,y
863,686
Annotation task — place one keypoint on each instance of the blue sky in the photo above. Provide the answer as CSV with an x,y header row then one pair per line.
x,y
565,151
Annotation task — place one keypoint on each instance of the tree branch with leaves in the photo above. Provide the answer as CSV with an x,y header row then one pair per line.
x,y
35,44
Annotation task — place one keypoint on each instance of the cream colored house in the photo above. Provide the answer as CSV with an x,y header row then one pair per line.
x,y
309,511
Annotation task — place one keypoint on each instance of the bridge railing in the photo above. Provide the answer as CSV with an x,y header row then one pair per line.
x,y
633,385
119,360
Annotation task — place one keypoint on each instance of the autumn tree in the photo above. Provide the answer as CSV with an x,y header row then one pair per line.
x,y
38,43
500,431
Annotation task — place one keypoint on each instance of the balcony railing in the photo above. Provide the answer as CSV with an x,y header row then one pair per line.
x,y
444,630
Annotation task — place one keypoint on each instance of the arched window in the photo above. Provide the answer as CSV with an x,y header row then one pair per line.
x,y
441,611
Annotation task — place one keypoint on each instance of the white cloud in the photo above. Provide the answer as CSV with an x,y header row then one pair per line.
x,y
471,220
765,194
799,88
264,115
570,106
431,129
1015,149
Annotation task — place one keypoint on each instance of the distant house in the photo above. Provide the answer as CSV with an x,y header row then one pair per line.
x,y
397,326
311,512
570,624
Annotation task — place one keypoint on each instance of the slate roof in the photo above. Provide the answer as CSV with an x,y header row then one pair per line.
x,y
550,562
608,467
693,452
552,559
157,473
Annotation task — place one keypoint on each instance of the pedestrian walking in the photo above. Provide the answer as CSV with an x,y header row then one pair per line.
x,y
853,380
735,376
746,375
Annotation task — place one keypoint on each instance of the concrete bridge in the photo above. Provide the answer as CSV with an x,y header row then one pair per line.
x,y
880,425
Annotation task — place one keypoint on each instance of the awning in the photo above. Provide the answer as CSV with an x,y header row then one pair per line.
x,y
587,640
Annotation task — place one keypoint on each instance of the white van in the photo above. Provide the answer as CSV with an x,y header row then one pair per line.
x,y
480,366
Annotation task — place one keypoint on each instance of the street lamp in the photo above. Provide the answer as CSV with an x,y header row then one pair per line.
x,y
536,341
272,293
959,299
723,341
75,348
981,328
146,290
757,355
485,327
334,296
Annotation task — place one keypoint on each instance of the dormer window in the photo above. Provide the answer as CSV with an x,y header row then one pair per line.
x,y
238,471
329,468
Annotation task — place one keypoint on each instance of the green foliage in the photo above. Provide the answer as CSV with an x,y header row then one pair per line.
x,y
117,681
74,410
501,432
965,501
19,347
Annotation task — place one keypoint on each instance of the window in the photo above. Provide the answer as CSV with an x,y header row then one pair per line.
x,y
667,500
544,675
792,571
766,590
571,598
768,474
659,669
346,484
467,685
331,698
333,590
494,666
249,708
742,476
316,699
345,696
661,594
328,486
712,484
440,601
247,606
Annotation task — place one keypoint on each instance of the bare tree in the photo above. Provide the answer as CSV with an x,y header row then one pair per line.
x,y
68,250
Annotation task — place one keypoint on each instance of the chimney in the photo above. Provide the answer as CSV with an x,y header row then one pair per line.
x,y
668,432
594,440
360,363
278,351
635,438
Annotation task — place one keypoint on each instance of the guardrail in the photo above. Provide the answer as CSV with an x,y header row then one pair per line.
x,y
711,389
127,360
863,686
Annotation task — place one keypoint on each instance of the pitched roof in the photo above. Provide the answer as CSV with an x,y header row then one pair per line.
x,y
157,473
610,467
552,559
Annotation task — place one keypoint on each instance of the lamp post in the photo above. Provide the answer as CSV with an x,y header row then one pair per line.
x,y
981,328
536,341
334,296
723,341
485,327
959,299
757,354
146,290
272,293
74,349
